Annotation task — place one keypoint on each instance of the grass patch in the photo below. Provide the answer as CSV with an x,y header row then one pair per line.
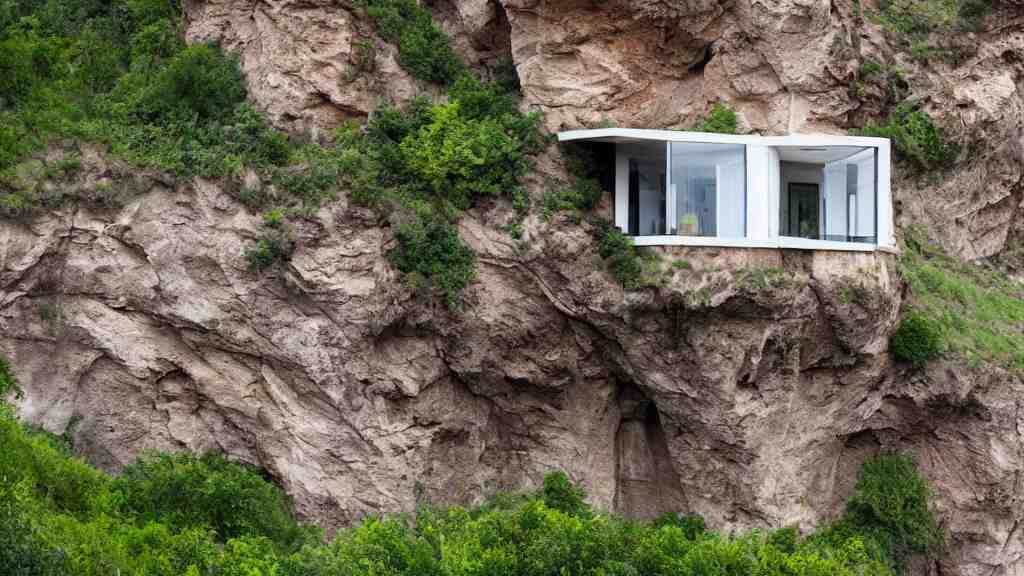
x,y
761,279
930,29
975,312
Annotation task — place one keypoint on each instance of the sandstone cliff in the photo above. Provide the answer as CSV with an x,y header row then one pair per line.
x,y
747,388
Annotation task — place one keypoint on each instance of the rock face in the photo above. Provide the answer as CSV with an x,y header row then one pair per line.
x,y
785,66
308,65
748,388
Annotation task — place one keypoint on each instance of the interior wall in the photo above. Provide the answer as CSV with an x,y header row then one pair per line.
x,y
796,172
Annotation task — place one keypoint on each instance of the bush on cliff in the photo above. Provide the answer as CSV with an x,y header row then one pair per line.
x,y
120,73
917,339
722,120
633,267
190,515
915,137
184,491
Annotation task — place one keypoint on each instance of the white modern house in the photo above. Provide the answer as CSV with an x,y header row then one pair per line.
x,y
817,192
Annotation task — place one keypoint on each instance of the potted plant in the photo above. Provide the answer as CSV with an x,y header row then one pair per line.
x,y
688,225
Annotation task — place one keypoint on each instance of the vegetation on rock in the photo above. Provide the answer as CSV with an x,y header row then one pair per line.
x,y
915,137
969,310
722,120
120,74
930,29
204,515
916,340
423,49
8,384
633,267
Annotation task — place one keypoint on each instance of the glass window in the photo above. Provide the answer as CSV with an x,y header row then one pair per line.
x,y
647,200
709,190
850,198
828,193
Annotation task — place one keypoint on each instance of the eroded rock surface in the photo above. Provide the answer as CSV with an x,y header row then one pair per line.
x,y
786,66
308,64
748,388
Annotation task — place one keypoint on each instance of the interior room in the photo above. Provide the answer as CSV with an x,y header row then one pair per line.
x,y
827,193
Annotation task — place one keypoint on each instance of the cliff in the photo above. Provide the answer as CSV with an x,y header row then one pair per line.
x,y
747,386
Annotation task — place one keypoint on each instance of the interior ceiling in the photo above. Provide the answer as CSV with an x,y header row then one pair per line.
x,y
816,154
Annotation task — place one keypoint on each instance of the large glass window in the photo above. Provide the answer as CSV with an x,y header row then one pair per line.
x,y
647,199
708,190
828,193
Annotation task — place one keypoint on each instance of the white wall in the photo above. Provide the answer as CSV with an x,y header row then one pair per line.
x,y
886,234
760,164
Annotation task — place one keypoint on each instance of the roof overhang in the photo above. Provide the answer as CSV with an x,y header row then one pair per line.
x,y
624,135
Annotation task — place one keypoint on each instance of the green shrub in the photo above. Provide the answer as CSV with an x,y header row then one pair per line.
x,y
423,49
23,553
722,120
632,267
916,340
185,491
155,44
99,60
64,484
915,137
561,494
422,164
692,525
430,248
269,250
583,195
8,383
186,515
890,503
199,82
462,160
147,12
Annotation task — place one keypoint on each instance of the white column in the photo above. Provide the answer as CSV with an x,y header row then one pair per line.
x,y
885,228
759,193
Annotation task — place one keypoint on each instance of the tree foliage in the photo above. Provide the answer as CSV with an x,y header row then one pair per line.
x,y
173,515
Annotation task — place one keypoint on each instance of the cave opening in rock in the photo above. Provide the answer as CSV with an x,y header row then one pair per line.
x,y
646,481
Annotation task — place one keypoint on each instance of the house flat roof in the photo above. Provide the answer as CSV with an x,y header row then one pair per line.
x,y
621,135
